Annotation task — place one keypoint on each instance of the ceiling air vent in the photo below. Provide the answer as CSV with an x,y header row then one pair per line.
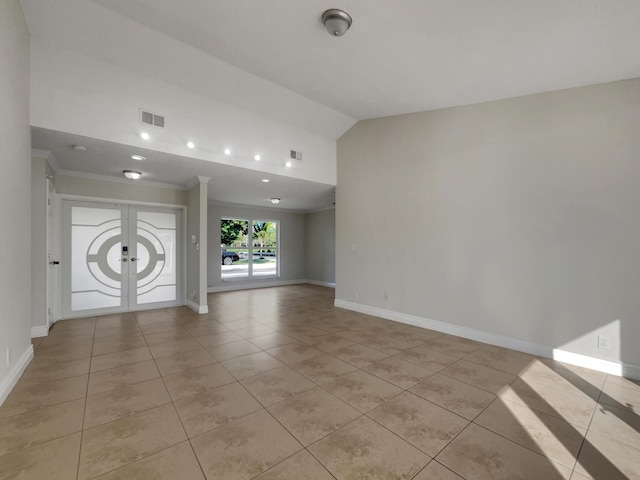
x,y
295,155
149,118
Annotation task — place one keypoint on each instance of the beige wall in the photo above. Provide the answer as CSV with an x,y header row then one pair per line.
x,y
291,237
15,195
516,217
39,261
133,192
197,253
320,246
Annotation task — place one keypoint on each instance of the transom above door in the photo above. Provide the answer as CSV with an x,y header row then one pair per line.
x,y
119,257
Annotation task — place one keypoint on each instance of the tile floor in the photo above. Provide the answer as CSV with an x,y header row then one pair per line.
x,y
278,384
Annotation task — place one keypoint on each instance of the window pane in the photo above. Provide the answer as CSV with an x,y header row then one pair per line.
x,y
234,251
265,248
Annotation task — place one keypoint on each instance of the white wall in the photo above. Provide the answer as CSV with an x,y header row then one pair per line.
x,y
197,252
73,93
124,190
291,246
39,261
320,246
15,196
516,217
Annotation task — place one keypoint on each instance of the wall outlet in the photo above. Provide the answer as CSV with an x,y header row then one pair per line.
x,y
356,295
386,297
603,342
8,357
193,295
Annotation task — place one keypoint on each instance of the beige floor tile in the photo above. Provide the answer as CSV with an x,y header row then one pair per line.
x,y
312,415
32,428
503,359
118,443
461,398
328,343
115,404
423,424
250,365
579,476
479,376
173,347
359,355
231,350
563,377
387,344
622,425
119,359
112,346
122,376
436,471
552,401
205,329
213,408
294,353
272,340
42,370
27,397
620,394
218,339
480,454
53,460
553,437
453,346
166,326
276,385
608,458
245,448
403,374
63,353
362,390
301,466
180,362
323,368
425,358
177,462
197,380
363,449
164,337
254,331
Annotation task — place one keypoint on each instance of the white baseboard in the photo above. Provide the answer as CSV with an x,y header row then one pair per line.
x,y
201,309
8,382
606,366
232,285
321,284
41,331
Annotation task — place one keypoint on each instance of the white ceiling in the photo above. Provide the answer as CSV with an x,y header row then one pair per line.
x,y
409,55
276,59
230,185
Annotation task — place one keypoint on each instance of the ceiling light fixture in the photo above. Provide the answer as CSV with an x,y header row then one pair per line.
x,y
132,174
145,136
227,151
138,157
257,157
288,164
79,148
191,145
266,180
275,201
336,21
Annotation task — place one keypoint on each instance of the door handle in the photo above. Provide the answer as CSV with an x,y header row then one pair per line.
x,y
54,262
133,259
124,259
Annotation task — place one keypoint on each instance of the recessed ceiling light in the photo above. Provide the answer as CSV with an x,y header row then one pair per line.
x,y
145,136
79,148
288,164
275,201
257,157
138,157
266,180
227,151
191,145
132,174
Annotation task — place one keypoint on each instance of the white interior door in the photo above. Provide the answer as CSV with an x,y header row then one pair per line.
x,y
118,258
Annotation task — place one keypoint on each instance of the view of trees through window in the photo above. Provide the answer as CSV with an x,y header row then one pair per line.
x,y
249,248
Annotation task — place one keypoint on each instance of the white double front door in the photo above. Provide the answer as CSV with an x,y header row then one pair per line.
x,y
118,258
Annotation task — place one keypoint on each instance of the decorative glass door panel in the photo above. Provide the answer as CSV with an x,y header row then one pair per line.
x,y
119,258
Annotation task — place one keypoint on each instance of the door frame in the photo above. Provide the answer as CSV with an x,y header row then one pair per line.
x,y
59,198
